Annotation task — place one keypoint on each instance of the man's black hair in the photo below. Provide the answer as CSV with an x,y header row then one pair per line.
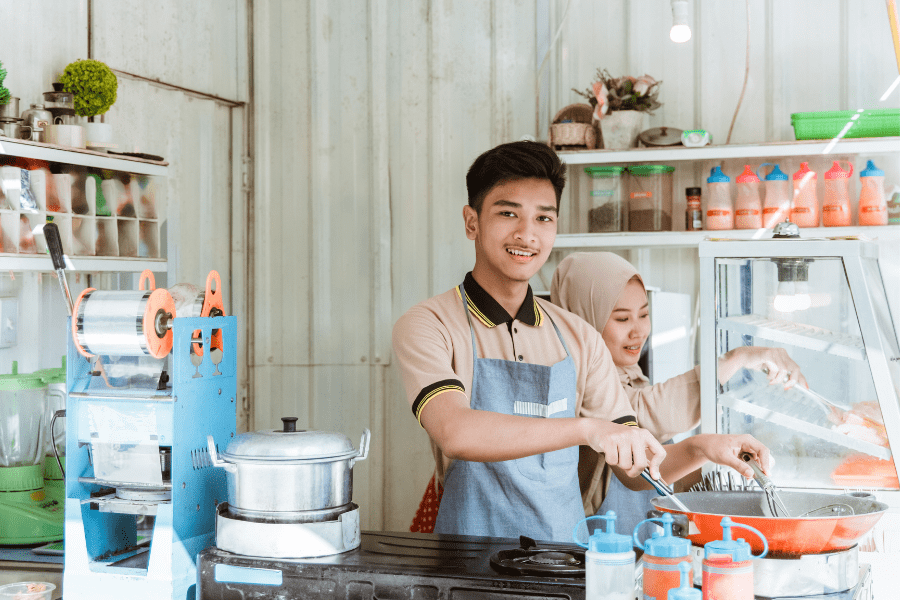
x,y
511,162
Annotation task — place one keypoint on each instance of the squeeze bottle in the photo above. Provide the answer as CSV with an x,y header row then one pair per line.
x,y
728,566
872,203
777,205
836,208
719,209
686,590
805,210
662,556
747,206
608,562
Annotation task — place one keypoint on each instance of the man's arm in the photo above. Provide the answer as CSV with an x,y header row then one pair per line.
x,y
482,436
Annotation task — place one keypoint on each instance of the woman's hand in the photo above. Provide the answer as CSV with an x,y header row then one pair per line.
x,y
724,449
775,362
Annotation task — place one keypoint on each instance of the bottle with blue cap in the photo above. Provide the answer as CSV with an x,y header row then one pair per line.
x,y
777,205
608,562
662,555
686,589
719,207
728,565
873,208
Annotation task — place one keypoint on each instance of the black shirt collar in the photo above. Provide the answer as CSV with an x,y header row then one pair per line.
x,y
487,310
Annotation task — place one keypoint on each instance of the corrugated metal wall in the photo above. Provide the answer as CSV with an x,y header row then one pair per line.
x,y
368,115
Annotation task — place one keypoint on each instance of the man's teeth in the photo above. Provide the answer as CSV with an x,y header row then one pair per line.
x,y
519,252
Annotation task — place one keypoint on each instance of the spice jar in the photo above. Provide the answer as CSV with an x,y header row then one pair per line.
x,y
693,217
606,211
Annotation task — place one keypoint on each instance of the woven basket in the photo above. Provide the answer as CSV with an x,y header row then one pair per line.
x,y
579,132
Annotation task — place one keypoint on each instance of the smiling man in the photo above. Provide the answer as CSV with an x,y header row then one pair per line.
x,y
499,378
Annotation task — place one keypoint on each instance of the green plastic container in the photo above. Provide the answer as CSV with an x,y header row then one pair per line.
x,y
826,125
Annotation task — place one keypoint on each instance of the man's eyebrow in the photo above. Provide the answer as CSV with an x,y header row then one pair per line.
x,y
511,204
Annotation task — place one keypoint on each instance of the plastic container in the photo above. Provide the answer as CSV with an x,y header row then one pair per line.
x,y
693,217
606,211
805,206
686,590
608,562
872,203
747,205
662,556
650,197
728,565
719,207
777,205
893,207
826,125
836,208
27,590
24,413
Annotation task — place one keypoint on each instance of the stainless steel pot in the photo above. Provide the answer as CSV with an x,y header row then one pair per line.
x,y
288,472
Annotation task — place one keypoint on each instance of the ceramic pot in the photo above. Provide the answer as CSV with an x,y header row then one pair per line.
x,y
65,135
97,133
621,128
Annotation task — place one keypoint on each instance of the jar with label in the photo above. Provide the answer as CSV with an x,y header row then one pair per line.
x,y
805,208
650,197
836,208
748,206
777,205
872,203
693,217
606,210
719,207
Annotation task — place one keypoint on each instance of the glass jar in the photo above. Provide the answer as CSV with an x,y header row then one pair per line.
x,y
606,210
650,197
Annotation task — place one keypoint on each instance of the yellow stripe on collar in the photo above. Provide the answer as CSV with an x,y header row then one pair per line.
x,y
474,309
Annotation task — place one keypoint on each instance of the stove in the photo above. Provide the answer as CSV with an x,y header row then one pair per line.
x,y
411,566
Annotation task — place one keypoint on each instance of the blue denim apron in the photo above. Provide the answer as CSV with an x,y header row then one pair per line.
x,y
537,496
631,507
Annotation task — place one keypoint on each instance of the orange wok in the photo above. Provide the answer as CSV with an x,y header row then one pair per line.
x,y
832,522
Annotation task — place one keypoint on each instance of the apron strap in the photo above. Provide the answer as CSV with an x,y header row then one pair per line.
x,y
559,335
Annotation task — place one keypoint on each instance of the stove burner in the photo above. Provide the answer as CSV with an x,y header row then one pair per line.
x,y
531,559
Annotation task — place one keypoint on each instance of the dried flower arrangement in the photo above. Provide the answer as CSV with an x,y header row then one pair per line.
x,y
608,93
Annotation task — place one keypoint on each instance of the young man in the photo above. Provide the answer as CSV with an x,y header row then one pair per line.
x,y
508,386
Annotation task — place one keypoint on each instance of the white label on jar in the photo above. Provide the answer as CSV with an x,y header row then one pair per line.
x,y
602,192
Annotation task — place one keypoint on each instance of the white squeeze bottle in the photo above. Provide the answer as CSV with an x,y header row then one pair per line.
x,y
608,562
777,205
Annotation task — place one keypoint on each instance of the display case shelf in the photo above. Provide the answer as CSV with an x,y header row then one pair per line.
x,y
882,145
796,334
111,264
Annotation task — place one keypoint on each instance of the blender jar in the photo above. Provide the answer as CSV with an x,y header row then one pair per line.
x,y
24,416
56,400
606,210
650,197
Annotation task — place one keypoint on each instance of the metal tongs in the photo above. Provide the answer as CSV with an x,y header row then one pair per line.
x,y
664,489
775,503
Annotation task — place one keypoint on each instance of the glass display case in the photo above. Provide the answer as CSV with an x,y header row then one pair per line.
x,y
823,301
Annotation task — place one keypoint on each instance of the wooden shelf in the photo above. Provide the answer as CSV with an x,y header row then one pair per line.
x,y
88,264
690,239
882,145
83,158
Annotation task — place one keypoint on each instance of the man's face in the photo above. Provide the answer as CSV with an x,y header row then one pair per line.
x,y
516,229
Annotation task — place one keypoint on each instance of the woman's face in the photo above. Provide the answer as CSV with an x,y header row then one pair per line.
x,y
628,326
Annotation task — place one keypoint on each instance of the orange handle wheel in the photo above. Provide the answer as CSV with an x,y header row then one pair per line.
x,y
147,275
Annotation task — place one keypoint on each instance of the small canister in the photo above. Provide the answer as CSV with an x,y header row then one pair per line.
x,y
37,118
650,197
728,565
606,211
608,562
662,556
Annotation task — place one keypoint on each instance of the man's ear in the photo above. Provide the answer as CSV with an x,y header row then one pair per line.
x,y
470,217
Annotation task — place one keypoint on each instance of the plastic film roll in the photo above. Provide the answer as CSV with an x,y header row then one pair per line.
x,y
123,323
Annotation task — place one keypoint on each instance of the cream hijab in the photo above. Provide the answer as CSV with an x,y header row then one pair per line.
x,y
589,284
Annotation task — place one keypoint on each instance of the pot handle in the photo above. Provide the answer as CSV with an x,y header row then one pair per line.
x,y
214,456
363,448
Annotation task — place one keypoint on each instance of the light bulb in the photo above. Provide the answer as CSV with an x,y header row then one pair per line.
x,y
680,31
785,297
801,296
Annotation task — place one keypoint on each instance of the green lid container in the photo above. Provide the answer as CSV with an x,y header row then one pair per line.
x,y
645,170
823,125
603,172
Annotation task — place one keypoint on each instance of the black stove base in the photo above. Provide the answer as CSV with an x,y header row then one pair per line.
x,y
386,566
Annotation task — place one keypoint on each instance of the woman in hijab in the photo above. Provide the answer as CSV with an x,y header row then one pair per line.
x,y
607,291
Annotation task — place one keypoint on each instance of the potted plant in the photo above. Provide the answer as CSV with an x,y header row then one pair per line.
x,y
621,105
94,86
9,106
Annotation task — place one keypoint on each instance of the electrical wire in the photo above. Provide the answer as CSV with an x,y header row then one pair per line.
x,y
537,78
746,77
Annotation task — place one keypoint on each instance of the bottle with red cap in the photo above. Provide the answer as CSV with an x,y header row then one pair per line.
x,y
805,209
747,205
836,208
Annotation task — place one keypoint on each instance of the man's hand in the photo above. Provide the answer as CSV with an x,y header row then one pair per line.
x,y
725,450
631,449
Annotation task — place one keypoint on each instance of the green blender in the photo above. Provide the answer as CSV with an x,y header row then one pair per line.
x,y
55,456
28,514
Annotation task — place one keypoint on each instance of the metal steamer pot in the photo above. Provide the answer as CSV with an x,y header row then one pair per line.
x,y
289,475
825,522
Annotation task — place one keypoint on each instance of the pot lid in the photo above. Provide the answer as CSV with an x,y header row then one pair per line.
x,y
289,444
661,136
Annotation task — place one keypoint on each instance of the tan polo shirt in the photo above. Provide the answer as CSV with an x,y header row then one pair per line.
x,y
434,350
